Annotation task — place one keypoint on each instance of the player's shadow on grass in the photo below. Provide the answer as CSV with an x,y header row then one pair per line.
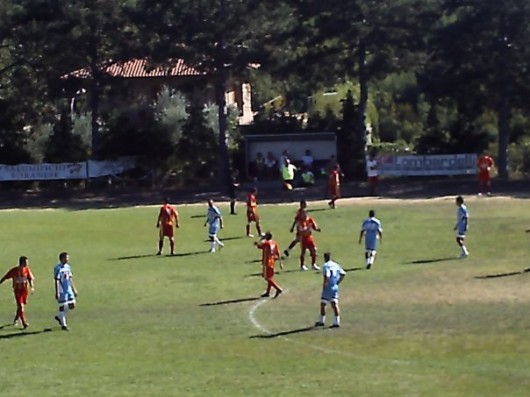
x,y
254,261
227,238
124,258
353,269
186,254
240,300
499,275
24,333
427,261
285,333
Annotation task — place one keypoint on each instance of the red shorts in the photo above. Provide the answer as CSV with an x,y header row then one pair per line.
x,y
334,190
21,297
252,216
308,243
484,176
269,272
372,180
167,231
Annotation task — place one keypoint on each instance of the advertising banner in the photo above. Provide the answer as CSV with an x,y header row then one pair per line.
x,y
425,165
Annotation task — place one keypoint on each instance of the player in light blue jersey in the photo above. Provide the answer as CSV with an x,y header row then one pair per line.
x,y
215,222
373,232
333,275
462,220
65,291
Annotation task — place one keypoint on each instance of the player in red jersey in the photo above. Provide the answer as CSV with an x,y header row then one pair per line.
x,y
334,185
296,239
305,227
484,163
252,211
22,279
271,254
168,218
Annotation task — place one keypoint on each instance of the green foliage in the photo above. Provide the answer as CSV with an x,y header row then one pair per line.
x,y
63,145
170,111
195,159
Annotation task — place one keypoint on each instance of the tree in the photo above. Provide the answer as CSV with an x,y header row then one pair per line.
x,y
480,59
218,37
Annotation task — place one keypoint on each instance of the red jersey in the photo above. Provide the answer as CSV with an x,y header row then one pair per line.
x,y
167,215
334,178
21,277
271,252
484,163
305,227
298,215
252,202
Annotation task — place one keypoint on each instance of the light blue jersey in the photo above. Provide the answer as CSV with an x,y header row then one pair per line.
x,y
333,272
214,220
462,217
372,228
63,274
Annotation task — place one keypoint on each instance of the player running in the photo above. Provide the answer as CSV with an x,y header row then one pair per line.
x,y
372,231
296,239
305,227
22,279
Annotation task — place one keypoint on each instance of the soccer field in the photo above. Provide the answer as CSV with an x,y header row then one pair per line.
x,y
420,323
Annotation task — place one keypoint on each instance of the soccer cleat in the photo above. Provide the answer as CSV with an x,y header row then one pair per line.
x,y
212,250
335,326
278,293
220,247
463,255
250,235
489,193
303,268
25,325
479,194
315,267
58,320
265,295
368,266
286,253
65,328
159,253
319,324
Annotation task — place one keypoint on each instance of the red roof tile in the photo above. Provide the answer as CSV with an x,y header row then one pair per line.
x,y
140,68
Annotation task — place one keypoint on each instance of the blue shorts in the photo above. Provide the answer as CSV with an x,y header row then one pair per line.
x,y
213,230
66,298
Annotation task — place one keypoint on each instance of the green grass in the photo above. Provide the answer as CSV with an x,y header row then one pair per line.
x,y
421,323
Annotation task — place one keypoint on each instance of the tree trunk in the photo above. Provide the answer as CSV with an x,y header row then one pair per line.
x,y
363,99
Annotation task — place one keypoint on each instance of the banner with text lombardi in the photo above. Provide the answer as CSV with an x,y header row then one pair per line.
x,y
64,171
425,165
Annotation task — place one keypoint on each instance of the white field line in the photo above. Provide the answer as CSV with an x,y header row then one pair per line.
x,y
487,368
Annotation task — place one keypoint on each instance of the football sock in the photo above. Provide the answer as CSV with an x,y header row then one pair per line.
x,y
212,245
464,250
248,230
337,320
218,242
160,246
322,319
258,228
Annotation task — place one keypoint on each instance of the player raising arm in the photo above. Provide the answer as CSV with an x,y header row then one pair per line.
x,y
271,254
305,227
